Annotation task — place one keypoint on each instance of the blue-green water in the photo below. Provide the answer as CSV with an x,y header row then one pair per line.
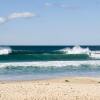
x,y
40,62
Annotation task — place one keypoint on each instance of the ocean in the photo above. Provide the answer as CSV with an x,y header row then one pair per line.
x,y
41,62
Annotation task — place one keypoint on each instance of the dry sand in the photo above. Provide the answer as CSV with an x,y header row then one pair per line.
x,y
72,88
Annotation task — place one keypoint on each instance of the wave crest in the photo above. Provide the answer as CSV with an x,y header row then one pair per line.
x,y
76,50
5,50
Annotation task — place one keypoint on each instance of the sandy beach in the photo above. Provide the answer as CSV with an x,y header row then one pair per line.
x,y
67,88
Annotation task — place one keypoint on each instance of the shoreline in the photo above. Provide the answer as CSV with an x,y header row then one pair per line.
x,y
72,79
63,88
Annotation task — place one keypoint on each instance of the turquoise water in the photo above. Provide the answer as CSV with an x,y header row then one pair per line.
x,y
42,57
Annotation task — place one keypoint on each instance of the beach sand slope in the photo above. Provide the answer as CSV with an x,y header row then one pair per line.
x,y
72,88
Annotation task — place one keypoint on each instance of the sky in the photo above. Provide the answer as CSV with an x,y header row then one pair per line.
x,y
49,22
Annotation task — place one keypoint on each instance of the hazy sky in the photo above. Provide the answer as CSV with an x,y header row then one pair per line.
x,y
49,22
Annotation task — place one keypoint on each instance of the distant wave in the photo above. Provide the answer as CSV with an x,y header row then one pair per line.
x,y
5,50
75,53
80,50
76,50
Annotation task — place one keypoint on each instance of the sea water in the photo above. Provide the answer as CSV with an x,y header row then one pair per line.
x,y
41,62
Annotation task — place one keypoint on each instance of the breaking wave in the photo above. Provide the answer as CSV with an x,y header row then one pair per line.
x,y
50,63
80,50
75,53
76,50
5,50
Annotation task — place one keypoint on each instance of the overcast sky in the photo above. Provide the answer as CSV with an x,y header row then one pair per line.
x,y
49,22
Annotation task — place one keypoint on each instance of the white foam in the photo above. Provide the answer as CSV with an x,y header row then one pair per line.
x,y
79,50
5,50
51,63
95,54
76,50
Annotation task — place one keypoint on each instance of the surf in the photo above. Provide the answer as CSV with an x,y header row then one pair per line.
x,y
50,63
19,62
79,50
47,53
5,50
